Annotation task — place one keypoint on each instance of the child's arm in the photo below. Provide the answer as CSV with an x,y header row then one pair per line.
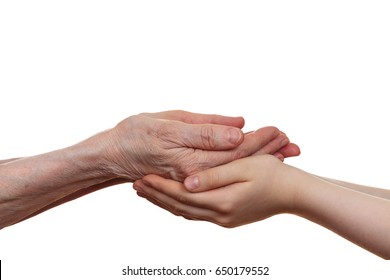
x,y
383,193
255,188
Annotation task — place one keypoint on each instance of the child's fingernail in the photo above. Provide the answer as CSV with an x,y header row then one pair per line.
x,y
191,183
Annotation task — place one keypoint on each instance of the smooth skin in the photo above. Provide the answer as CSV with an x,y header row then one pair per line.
x,y
255,188
172,144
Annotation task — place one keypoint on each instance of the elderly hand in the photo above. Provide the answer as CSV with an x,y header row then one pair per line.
x,y
172,144
176,144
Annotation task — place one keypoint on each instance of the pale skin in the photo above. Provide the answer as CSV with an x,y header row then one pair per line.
x,y
172,144
255,188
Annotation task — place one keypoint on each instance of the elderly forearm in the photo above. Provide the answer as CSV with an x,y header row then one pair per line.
x,y
30,184
78,194
8,160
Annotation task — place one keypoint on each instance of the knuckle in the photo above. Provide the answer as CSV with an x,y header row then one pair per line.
x,y
177,209
183,165
187,166
162,129
207,135
226,207
241,153
211,179
165,130
187,217
182,199
194,161
181,113
225,221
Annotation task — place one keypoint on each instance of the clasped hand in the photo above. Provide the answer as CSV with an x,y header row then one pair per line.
x,y
176,144
241,192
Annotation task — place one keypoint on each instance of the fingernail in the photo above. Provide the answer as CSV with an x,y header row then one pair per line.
x,y
234,135
279,156
284,142
191,183
137,187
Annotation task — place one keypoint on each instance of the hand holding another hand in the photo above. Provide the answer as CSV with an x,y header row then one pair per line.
x,y
240,192
176,144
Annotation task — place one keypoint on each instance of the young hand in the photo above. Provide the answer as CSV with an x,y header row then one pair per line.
x,y
243,191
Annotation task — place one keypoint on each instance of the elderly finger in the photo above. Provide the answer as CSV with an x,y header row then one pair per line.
x,y
195,118
210,137
252,143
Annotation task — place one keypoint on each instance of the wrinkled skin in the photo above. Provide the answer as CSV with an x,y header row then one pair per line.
x,y
176,144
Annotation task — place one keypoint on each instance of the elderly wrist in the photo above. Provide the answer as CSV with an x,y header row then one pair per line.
x,y
93,155
116,159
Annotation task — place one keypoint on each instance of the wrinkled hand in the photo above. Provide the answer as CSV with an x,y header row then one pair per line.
x,y
176,144
243,191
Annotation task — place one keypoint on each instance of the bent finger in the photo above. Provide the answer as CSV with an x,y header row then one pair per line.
x,y
273,145
253,142
210,137
290,150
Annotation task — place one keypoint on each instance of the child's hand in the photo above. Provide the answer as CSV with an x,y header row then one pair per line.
x,y
243,191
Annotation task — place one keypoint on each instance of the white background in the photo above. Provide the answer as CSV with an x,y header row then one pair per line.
x,y
318,70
